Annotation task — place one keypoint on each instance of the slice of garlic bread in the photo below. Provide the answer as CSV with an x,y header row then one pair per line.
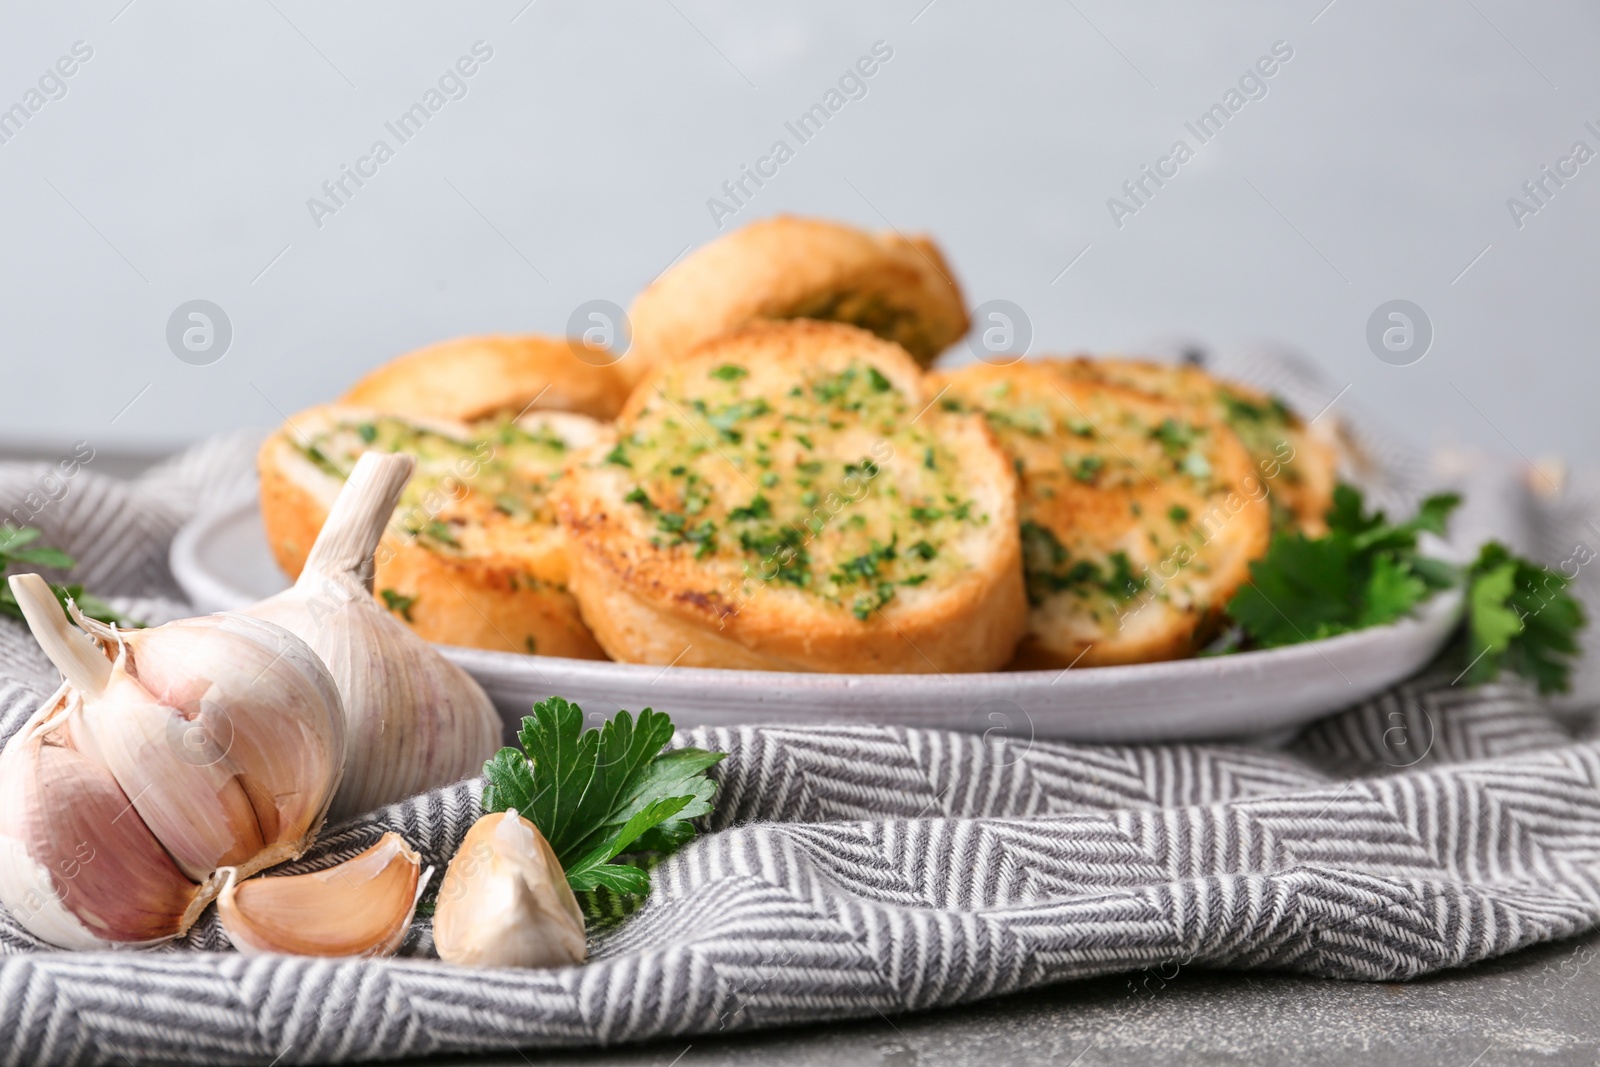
x,y
1298,468
787,497
474,378
1138,515
473,556
898,288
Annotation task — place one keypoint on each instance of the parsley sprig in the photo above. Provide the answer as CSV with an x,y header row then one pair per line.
x,y
1367,571
14,549
1520,616
604,798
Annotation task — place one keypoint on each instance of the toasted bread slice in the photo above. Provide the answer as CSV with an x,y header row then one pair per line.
x,y
1298,468
1137,520
473,556
788,498
792,268
473,378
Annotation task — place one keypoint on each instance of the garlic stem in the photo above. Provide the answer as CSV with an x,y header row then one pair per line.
x,y
413,719
73,652
356,522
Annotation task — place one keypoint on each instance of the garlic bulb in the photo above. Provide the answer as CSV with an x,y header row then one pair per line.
x,y
505,901
414,719
218,740
361,907
77,868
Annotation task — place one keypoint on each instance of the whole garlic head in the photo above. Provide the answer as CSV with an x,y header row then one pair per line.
x,y
414,719
505,901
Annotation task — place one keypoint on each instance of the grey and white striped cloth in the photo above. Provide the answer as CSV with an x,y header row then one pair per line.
x,y
850,871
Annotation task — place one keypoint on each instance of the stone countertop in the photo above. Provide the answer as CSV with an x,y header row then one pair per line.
x,y
1540,1006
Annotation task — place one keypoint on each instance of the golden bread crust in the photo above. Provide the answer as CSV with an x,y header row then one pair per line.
x,y
472,378
788,498
785,268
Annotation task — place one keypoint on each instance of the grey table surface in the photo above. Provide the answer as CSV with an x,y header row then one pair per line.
x,y
1541,1005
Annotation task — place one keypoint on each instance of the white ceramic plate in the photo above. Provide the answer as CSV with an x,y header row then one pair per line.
x,y
222,561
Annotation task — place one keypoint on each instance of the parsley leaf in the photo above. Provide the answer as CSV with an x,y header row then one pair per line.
x,y
1521,616
1365,572
13,549
1368,571
598,795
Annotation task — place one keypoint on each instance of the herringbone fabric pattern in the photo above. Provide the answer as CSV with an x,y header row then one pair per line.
x,y
849,871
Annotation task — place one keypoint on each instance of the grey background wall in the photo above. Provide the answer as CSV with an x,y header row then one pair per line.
x,y
576,162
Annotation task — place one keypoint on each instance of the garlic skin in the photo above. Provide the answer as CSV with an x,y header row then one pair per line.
x,y
505,901
361,907
414,720
225,733
78,869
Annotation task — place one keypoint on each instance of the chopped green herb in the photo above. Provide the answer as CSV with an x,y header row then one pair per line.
x,y
865,565
758,508
723,419
398,603
702,535
1175,437
439,531
1048,568
864,605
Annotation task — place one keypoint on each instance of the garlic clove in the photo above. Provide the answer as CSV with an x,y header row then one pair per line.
x,y
362,907
414,720
256,703
78,868
505,901
193,804
225,732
